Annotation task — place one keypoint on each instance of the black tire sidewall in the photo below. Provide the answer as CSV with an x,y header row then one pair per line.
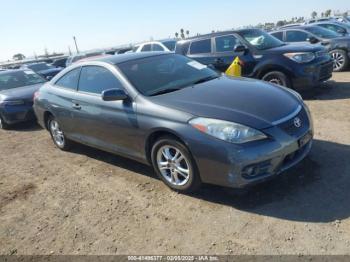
x,y
346,60
3,124
277,74
194,180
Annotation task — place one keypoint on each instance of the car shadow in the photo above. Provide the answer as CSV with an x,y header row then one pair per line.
x,y
330,90
317,190
25,127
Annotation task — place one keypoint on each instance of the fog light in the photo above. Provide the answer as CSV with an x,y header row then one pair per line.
x,y
256,169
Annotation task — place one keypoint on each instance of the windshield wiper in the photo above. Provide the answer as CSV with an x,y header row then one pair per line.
x,y
164,91
205,79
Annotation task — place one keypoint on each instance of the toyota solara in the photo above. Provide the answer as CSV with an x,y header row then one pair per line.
x,y
192,124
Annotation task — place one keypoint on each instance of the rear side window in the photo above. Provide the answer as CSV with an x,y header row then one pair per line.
x,y
226,43
70,79
96,79
201,47
146,48
156,47
278,35
296,36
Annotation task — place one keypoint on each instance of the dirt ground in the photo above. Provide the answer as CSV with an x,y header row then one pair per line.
x,y
90,202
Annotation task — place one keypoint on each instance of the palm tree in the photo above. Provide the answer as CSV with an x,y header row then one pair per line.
x,y
187,33
177,35
328,13
182,31
314,14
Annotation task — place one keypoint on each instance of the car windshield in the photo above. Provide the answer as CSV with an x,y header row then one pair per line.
x,y
170,44
321,32
14,79
260,39
39,67
165,73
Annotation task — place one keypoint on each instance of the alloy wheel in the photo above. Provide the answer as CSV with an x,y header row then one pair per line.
x,y
57,133
338,59
173,165
275,80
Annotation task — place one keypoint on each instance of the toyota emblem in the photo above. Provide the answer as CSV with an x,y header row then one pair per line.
x,y
297,122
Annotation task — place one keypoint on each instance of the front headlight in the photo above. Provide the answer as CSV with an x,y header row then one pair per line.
x,y
227,131
301,57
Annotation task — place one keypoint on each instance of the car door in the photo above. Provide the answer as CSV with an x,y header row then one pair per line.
x,y
64,92
109,125
297,36
201,51
224,54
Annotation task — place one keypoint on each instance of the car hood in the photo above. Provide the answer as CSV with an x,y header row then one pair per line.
x,y
25,93
246,101
295,48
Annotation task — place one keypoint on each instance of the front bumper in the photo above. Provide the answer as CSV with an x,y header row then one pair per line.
x,y
239,166
308,76
17,114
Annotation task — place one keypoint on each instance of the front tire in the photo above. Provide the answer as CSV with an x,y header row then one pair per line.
x,y
278,78
174,165
3,124
341,60
57,134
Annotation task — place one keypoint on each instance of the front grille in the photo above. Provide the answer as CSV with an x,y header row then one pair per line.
x,y
291,129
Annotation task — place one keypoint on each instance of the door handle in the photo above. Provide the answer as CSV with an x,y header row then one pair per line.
x,y
76,106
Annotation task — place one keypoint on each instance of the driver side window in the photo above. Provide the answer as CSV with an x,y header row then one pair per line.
x,y
296,36
96,79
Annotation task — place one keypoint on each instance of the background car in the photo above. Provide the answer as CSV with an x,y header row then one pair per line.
x,y
263,57
169,111
17,88
45,70
337,45
156,46
75,58
60,62
339,28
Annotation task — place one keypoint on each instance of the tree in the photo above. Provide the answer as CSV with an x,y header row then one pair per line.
x,y
18,57
187,33
322,14
182,32
314,14
280,23
177,35
345,14
328,13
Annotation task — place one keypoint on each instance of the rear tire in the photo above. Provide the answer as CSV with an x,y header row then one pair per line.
x,y
278,78
341,60
174,165
3,124
57,134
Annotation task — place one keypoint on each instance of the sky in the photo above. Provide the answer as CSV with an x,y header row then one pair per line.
x,y
31,26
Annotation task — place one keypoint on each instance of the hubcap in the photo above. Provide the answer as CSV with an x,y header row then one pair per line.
x,y
275,80
57,133
338,59
173,165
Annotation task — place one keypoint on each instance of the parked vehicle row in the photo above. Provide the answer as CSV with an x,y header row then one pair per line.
x,y
263,56
338,46
167,103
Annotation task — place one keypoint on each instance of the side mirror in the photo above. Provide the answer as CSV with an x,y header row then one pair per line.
x,y
240,48
114,95
313,40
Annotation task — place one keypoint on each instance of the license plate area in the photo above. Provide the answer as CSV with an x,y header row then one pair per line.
x,y
305,139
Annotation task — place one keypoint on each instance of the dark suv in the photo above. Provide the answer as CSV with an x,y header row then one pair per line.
x,y
337,45
263,57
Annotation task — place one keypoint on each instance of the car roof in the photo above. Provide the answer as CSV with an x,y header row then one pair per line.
x,y
11,71
121,58
214,34
302,27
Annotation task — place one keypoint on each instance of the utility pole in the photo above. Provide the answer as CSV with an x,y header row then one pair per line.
x,y
76,45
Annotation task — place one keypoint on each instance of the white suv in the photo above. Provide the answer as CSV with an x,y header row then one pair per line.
x,y
156,46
